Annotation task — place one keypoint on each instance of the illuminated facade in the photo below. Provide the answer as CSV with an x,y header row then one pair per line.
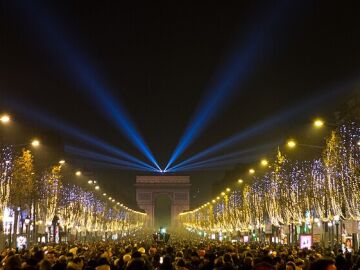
x,y
148,188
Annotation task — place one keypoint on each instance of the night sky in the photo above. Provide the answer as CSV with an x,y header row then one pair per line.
x,y
160,60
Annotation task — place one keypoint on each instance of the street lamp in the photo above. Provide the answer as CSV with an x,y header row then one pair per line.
x,y
240,181
62,162
291,143
35,143
78,173
251,171
318,123
264,162
55,225
27,220
337,219
5,119
27,223
11,219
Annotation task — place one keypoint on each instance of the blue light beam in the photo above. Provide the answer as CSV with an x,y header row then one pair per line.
x,y
218,164
78,68
55,124
76,151
230,157
103,164
279,118
235,74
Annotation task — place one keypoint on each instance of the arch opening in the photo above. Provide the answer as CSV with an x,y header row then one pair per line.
x,y
162,211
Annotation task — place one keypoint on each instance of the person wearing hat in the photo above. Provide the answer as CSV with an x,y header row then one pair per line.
x,y
126,258
142,250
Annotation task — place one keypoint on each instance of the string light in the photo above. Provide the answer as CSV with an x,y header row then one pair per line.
x,y
293,192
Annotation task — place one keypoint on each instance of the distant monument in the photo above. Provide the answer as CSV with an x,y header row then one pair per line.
x,y
148,188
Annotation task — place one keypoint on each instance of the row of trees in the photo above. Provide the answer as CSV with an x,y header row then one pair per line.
x,y
42,195
292,191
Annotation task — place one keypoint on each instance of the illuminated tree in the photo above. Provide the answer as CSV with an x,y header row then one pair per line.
x,y
274,187
47,193
342,160
6,167
22,185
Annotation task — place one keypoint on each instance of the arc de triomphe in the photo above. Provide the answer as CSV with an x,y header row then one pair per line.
x,y
175,187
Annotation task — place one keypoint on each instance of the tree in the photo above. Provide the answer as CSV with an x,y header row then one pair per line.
x,y
21,186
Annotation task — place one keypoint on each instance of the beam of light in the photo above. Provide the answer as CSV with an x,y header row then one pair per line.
x,y
74,63
234,75
257,149
100,157
277,119
55,124
103,164
218,164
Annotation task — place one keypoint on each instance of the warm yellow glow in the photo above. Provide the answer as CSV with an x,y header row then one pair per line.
x,y
35,143
104,194
213,201
218,198
240,181
318,123
228,189
118,203
90,182
97,187
222,193
291,143
251,171
78,173
358,143
264,162
5,118
62,162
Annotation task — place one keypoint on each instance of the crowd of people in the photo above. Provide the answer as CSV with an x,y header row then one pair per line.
x,y
179,253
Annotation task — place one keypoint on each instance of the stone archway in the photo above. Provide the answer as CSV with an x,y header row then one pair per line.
x,y
175,187
162,210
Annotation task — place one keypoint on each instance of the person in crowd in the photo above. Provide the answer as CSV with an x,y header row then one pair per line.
x,y
323,264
